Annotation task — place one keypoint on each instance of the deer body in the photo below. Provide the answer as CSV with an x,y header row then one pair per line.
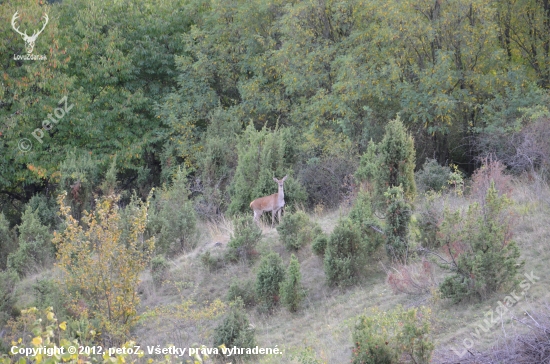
x,y
273,203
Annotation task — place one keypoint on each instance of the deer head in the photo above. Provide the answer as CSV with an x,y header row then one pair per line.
x,y
29,41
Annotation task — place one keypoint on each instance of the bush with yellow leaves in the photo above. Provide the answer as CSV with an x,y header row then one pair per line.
x,y
100,269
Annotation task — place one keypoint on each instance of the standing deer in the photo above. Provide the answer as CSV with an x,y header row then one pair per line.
x,y
273,203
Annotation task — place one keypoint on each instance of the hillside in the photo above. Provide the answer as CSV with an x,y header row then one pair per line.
x,y
406,144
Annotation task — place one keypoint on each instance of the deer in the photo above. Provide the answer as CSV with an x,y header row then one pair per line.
x,y
273,203
29,40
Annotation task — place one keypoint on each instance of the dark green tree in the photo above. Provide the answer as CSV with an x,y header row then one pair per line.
x,y
482,255
235,330
397,158
35,248
292,293
345,255
263,155
398,217
268,279
8,242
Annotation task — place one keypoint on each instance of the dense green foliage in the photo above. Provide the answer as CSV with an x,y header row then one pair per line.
x,y
320,244
482,255
35,248
172,218
292,293
345,255
385,337
8,243
297,231
362,216
245,290
268,279
262,156
398,217
159,270
175,81
432,176
235,330
245,237
386,173
207,101
8,278
397,158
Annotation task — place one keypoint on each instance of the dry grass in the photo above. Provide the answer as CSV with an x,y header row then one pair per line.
x,y
532,234
325,321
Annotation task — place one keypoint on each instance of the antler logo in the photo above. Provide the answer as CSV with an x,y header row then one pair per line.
x,y
29,40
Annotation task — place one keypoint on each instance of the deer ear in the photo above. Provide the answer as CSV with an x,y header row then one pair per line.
x,y
275,179
284,178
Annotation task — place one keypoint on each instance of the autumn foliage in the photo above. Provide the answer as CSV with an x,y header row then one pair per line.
x,y
100,272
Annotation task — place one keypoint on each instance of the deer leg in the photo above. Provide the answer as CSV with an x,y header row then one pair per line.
x,y
256,217
279,212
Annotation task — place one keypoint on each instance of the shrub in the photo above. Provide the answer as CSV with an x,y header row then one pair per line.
x,y
8,242
296,230
290,228
362,216
99,270
432,176
8,278
387,337
41,329
397,160
292,293
47,210
270,275
483,256
326,180
389,163
344,254
319,244
491,171
263,155
456,180
244,290
398,217
35,245
79,177
48,293
307,356
172,219
217,163
429,219
159,270
245,237
211,262
523,150
235,330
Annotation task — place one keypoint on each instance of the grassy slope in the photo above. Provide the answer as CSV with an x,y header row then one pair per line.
x,y
324,323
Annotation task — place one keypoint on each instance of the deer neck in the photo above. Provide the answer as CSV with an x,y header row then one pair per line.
x,y
281,196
